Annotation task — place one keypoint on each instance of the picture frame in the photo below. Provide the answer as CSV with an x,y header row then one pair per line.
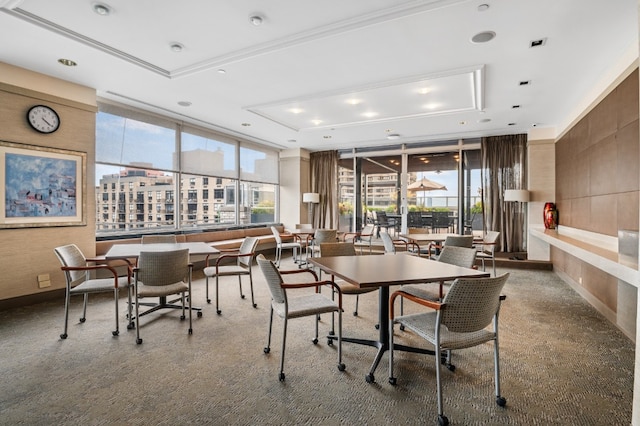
x,y
41,186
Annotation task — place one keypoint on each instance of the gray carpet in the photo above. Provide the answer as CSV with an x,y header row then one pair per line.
x,y
562,363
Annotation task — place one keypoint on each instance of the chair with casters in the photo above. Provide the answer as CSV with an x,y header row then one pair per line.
x,y
487,249
307,304
243,260
280,245
344,249
159,239
362,238
460,321
78,272
161,274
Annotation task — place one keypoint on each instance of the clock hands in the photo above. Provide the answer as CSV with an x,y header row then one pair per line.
x,y
45,120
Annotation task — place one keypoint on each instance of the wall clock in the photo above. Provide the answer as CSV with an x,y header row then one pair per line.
x,y
43,119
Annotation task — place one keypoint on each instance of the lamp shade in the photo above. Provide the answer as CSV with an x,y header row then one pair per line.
x,y
310,197
520,195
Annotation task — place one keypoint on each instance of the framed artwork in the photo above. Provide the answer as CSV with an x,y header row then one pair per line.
x,y
41,186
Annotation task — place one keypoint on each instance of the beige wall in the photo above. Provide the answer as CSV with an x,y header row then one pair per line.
x,y
27,253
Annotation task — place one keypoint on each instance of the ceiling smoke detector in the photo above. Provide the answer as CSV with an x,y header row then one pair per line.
x,y
256,20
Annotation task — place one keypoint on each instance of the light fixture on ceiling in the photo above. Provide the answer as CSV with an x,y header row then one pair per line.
x,y
515,106
369,114
316,122
176,47
101,9
538,43
221,71
256,20
67,62
353,101
423,90
184,103
525,82
292,141
483,7
483,37
296,110
393,136
246,124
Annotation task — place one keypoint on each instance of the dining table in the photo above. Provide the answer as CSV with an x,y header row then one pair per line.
x,y
367,271
128,252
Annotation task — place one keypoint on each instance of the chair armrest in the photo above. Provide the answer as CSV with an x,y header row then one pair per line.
x,y
424,302
231,256
94,268
300,271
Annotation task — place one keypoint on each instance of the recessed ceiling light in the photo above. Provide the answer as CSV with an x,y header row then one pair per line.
x,y
316,122
256,20
538,43
221,71
483,7
101,9
184,103
423,90
432,105
67,62
462,123
369,114
483,37
246,124
176,47
354,101
393,136
296,110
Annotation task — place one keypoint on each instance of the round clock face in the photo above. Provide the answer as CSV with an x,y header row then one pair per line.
x,y
43,119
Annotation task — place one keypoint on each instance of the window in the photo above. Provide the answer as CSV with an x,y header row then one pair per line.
x,y
218,194
205,194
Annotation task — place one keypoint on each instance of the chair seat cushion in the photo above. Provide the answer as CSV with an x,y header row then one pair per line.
x,y
291,245
164,290
99,285
210,271
424,326
348,288
423,291
310,304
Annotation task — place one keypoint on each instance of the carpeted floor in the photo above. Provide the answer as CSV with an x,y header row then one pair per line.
x,y
561,362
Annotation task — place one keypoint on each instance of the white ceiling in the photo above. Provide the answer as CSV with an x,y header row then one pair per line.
x,y
287,82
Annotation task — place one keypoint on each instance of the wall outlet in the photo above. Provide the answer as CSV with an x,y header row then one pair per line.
x,y
44,280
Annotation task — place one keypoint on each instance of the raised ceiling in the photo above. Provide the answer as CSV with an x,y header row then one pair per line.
x,y
333,74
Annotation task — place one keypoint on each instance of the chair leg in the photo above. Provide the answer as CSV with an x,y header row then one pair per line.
x,y
267,348
240,284
206,286
130,324
138,339
83,318
218,311
439,385
284,344
392,379
67,300
355,313
115,297
341,366
190,307
253,302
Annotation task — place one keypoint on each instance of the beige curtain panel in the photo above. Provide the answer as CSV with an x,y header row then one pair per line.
x,y
324,177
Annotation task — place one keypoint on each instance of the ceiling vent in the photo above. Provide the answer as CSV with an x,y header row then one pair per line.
x,y
525,83
538,43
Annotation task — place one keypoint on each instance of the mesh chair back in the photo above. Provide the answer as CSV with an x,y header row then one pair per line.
x,y
491,238
459,240
159,239
248,245
70,255
387,242
276,234
325,236
273,278
383,220
459,256
304,226
471,303
337,249
414,219
160,268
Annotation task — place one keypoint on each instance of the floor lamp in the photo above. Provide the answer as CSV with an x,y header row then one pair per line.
x,y
519,196
310,198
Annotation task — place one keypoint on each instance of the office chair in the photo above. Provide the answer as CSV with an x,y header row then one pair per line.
x,y
280,245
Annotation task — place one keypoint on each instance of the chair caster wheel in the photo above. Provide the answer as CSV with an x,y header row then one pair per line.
x,y
209,301
370,378
342,367
199,314
377,326
443,421
218,311
115,333
63,336
355,314
332,333
139,341
501,401
82,320
191,331
281,377
182,317
131,326
402,327
242,296
330,342
450,367
393,381
315,341
255,305
266,350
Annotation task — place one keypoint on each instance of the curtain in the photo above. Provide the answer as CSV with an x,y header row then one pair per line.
x,y
504,166
324,178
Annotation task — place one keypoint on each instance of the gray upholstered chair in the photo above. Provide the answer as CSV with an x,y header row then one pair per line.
x,y
460,321
303,305
360,239
78,272
392,246
344,249
280,245
450,240
487,249
159,239
242,266
319,237
161,274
